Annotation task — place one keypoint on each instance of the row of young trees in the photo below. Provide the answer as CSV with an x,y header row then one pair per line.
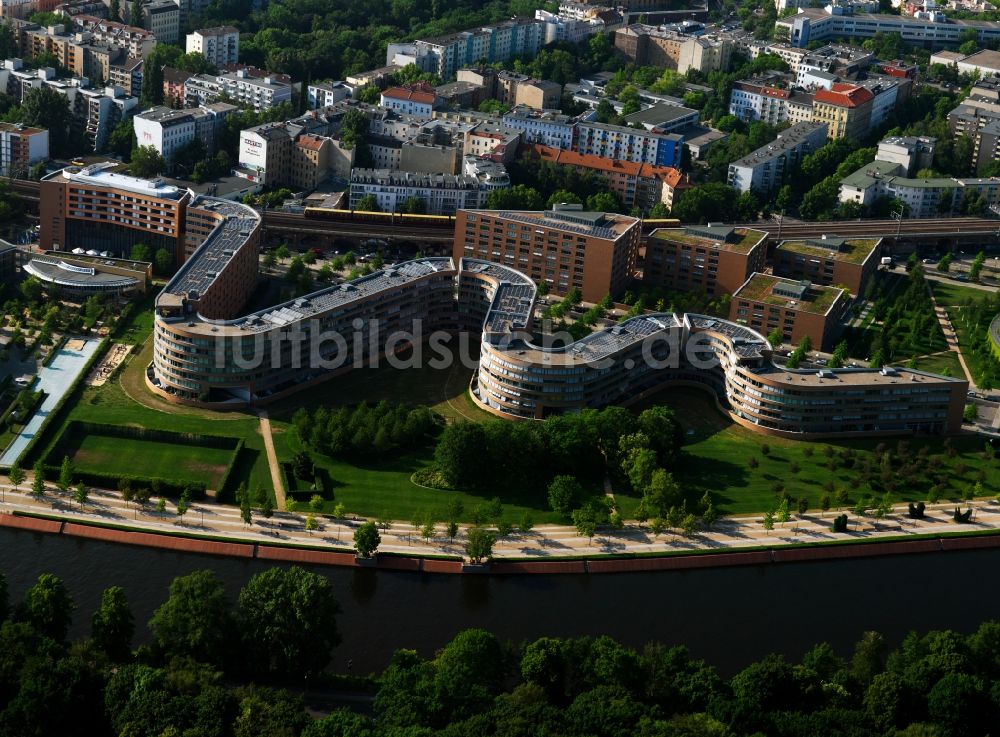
x,y
980,348
366,430
909,326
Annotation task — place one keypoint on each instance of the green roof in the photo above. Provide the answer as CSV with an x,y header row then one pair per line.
x,y
851,250
743,240
886,170
817,299
862,178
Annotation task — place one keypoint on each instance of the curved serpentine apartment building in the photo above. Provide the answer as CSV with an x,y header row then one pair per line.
x,y
205,353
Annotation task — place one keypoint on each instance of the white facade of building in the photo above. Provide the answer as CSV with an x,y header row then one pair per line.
x,y
442,194
769,167
168,130
408,102
220,46
244,89
447,54
559,27
325,94
548,129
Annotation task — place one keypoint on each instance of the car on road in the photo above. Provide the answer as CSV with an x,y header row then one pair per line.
x,y
22,381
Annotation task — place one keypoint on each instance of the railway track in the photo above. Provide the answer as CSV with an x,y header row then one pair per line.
x,y
294,223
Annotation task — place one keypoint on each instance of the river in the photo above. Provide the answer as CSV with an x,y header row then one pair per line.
x,y
729,616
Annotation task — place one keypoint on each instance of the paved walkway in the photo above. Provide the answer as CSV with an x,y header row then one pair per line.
x,y
951,338
55,380
548,542
272,459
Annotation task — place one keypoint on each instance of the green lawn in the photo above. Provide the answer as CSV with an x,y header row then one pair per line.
x,y
109,405
941,363
947,293
154,459
718,452
443,390
384,489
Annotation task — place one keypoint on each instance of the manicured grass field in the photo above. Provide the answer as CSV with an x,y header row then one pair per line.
x,y
111,406
443,390
718,452
946,293
155,459
941,363
385,490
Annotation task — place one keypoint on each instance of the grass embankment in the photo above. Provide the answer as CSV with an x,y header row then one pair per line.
x,y
111,405
718,457
946,364
947,294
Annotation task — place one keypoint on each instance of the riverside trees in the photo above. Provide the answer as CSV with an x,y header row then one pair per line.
x,y
939,683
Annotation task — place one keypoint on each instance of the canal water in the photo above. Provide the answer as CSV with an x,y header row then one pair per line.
x,y
729,616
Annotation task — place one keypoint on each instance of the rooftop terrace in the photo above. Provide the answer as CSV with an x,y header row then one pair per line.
x,y
99,175
850,250
815,299
726,238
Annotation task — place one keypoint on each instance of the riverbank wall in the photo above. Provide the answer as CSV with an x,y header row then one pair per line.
x,y
188,543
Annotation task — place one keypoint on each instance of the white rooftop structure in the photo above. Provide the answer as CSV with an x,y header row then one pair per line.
x,y
98,175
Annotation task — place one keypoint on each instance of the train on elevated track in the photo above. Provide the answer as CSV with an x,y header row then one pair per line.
x,y
413,220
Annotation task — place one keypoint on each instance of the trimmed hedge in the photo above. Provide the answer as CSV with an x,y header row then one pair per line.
x,y
159,486
294,488
56,347
39,397
228,484
133,432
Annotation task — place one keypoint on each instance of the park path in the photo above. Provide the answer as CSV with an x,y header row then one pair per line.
x,y
272,459
546,542
951,338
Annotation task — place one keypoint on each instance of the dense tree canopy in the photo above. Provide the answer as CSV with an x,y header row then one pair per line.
x,y
195,620
939,684
288,619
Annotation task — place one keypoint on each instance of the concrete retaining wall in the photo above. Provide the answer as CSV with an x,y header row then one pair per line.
x,y
292,554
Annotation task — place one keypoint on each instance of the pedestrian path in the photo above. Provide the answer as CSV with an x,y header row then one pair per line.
x,y
272,459
951,338
546,542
